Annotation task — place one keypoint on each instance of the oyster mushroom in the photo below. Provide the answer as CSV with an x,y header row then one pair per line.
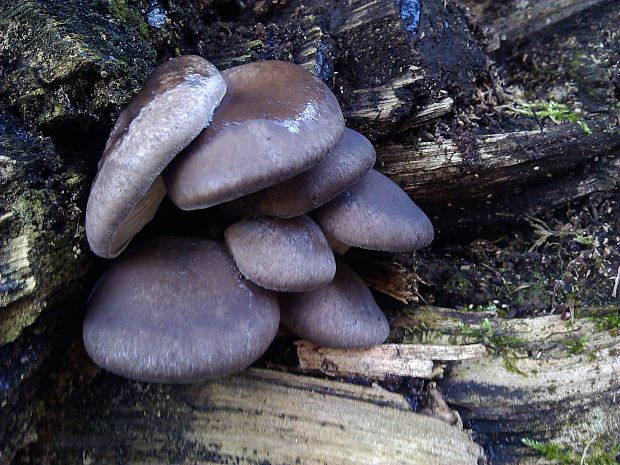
x,y
341,315
175,310
276,120
175,104
287,255
346,164
375,214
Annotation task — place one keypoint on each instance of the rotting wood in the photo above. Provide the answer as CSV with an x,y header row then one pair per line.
x,y
513,20
438,172
388,275
414,360
256,417
550,379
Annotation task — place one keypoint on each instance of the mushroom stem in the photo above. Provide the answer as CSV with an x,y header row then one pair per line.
x,y
337,246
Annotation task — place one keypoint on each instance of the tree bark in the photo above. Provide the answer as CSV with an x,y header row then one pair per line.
x,y
538,384
256,417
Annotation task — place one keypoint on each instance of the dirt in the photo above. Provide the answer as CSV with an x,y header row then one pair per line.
x,y
555,263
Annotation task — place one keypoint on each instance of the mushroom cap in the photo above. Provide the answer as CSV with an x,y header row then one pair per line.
x,y
176,310
376,214
342,315
276,120
346,164
289,255
175,104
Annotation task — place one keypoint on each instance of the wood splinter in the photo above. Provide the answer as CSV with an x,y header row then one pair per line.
x,y
415,360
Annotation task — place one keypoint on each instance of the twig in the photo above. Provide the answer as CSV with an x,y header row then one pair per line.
x,y
585,451
614,294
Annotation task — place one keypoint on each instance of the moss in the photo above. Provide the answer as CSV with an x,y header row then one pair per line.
x,y
128,17
607,322
41,235
596,452
556,112
60,64
577,345
485,334
510,365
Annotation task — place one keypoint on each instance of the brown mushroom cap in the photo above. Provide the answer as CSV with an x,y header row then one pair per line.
x,y
275,121
289,255
342,315
376,214
346,164
176,310
176,103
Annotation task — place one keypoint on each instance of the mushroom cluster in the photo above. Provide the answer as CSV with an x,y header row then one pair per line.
x,y
266,143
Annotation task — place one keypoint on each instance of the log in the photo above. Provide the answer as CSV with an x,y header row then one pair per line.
x,y
413,360
256,417
512,21
568,370
41,259
438,172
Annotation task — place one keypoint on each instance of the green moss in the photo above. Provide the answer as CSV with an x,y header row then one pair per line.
x,y
126,16
511,366
609,322
556,112
593,453
576,346
485,334
62,64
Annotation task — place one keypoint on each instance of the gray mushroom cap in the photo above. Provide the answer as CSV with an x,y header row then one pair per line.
x,y
176,103
346,164
276,120
342,315
376,214
289,255
176,310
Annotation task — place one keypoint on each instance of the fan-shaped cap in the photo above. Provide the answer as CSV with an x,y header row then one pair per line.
x,y
376,214
346,164
176,103
289,255
341,315
176,310
276,121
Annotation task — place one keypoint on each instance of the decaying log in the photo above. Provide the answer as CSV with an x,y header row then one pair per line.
x,y
514,20
41,243
414,360
439,172
257,417
394,78
550,380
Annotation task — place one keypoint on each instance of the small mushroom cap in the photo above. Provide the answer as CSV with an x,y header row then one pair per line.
x,y
342,315
289,255
176,310
376,214
176,103
346,164
276,120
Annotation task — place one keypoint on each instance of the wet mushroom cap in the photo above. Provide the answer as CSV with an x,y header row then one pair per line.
x,y
376,214
276,120
346,164
175,104
176,310
288,255
342,315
